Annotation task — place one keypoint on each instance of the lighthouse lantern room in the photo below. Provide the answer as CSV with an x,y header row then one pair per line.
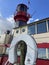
x,y
21,16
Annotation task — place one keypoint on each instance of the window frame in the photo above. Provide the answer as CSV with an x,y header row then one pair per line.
x,y
39,25
46,53
32,33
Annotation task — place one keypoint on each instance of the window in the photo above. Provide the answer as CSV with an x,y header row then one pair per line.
x,y
21,23
22,8
17,31
31,29
23,30
41,27
42,53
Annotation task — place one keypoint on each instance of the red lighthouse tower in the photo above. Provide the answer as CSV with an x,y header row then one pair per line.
x,y
21,17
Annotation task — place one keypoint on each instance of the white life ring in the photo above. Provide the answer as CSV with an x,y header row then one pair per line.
x,y
31,49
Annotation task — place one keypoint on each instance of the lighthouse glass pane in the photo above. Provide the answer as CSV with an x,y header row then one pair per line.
x,y
31,29
41,27
42,53
22,8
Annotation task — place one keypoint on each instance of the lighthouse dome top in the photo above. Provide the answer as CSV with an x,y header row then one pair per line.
x,y
22,7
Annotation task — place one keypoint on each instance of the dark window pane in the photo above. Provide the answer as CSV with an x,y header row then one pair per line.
x,y
22,23
42,53
23,30
22,8
41,27
17,31
31,29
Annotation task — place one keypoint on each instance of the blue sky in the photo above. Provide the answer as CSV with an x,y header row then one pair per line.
x,y
41,8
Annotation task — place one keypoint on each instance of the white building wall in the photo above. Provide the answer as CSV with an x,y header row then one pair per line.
x,y
42,38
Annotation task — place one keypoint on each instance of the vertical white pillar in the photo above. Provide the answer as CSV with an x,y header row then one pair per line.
x,y
47,25
46,53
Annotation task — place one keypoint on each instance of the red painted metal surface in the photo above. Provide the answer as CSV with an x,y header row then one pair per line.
x,y
39,61
0,60
3,59
18,61
43,45
5,45
21,15
39,45
42,62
